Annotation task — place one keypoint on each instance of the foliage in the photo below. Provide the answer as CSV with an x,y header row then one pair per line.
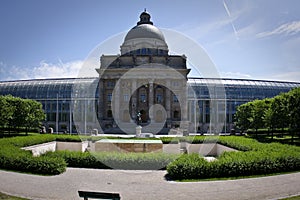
x,y
115,160
18,113
13,158
282,111
169,140
257,159
242,116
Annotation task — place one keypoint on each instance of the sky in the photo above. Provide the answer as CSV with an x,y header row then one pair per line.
x,y
249,39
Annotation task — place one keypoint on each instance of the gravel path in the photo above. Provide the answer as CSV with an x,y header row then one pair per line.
x,y
144,185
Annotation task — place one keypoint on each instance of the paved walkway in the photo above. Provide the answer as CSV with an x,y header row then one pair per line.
x,y
144,185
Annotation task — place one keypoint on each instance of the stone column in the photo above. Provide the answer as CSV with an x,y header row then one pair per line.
x,y
151,97
151,94
133,99
101,100
184,107
116,103
168,99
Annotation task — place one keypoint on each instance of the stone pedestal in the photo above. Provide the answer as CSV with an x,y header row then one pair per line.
x,y
138,131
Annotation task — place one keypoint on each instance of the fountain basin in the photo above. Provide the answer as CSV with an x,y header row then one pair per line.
x,y
123,145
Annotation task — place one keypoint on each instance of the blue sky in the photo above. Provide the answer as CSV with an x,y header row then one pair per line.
x,y
255,39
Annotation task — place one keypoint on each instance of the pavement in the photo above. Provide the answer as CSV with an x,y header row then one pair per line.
x,y
132,184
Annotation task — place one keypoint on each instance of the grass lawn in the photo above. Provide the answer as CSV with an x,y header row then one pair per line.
x,y
292,198
7,197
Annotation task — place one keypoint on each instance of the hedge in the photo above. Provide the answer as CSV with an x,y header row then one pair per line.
x,y
254,158
13,158
258,159
115,160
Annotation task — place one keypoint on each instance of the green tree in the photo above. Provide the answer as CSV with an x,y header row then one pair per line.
x,y
242,116
277,114
19,113
6,111
33,114
293,107
258,110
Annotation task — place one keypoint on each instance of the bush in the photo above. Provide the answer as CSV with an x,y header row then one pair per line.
x,y
13,158
258,159
115,160
188,167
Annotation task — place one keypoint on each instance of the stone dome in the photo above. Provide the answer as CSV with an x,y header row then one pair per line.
x,y
144,36
145,31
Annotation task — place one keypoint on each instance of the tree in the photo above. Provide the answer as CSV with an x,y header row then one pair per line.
x,y
6,111
20,113
33,114
258,110
242,116
293,107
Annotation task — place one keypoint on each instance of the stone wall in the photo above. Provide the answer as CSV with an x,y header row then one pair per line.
x,y
129,146
40,149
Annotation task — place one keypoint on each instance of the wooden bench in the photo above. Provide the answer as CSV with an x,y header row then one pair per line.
x,y
98,195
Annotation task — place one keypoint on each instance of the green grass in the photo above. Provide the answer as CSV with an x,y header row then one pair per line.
x,y
234,178
8,197
292,198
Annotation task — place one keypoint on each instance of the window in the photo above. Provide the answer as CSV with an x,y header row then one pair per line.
x,y
143,98
175,99
175,83
110,84
109,97
159,98
126,97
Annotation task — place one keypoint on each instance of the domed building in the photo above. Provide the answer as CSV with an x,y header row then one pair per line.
x,y
136,87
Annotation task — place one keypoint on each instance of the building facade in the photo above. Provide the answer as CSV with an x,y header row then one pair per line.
x,y
143,84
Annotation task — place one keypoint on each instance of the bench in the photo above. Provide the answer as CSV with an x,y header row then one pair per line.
x,y
98,195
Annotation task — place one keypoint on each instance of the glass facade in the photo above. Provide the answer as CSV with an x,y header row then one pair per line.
x,y
58,97
204,93
61,97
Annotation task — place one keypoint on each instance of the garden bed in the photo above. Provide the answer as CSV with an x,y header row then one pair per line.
x,y
253,158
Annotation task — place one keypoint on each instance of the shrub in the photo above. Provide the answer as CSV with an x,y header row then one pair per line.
x,y
169,140
188,167
258,159
115,160
13,158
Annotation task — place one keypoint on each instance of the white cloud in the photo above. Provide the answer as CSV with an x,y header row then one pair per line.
x,y
290,28
58,70
42,71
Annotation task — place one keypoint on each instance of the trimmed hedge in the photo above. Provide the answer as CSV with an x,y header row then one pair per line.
x,y
258,159
13,158
254,158
115,160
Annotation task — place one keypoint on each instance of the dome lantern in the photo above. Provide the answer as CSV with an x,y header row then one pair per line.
x,y
145,18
